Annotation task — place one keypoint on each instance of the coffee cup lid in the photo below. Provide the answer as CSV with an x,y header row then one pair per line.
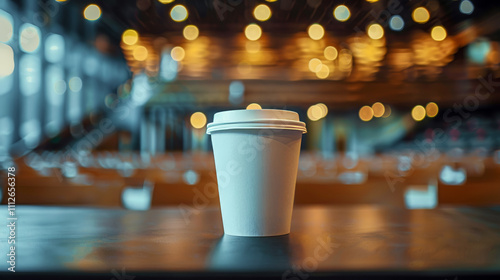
x,y
256,119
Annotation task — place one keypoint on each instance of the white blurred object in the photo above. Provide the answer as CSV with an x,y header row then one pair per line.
x,y
452,176
69,169
421,197
404,164
137,198
191,177
353,173
350,160
352,177
168,66
126,169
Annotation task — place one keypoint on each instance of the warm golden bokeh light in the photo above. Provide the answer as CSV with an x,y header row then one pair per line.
x,y
388,111
432,109
140,53
438,33
371,1
324,109
190,32
270,1
198,120
315,112
375,31
178,53
130,37
366,113
378,109
316,31
330,53
179,13
166,1
418,113
314,65
92,12
254,106
420,15
262,12
253,32
341,13
323,72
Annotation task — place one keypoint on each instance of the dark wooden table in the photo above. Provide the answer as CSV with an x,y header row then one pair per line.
x,y
357,242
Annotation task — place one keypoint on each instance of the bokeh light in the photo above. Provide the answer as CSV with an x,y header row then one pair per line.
x,y
438,33
190,32
178,53
166,1
179,13
30,77
341,13
366,113
253,106
330,53
30,38
314,65
130,37
375,31
315,112
432,109
140,53
387,112
262,12
378,109
324,109
396,23
75,84
92,12
466,7
54,48
418,113
323,72
420,15
253,32
316,31
198,120
478,51
6,27
7,57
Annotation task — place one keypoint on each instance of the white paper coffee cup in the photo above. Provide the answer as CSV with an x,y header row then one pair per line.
x,y
256,158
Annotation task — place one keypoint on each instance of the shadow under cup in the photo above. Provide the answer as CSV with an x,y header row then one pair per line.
x,y
256,158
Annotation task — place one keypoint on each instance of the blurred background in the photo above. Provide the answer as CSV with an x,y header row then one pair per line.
x,y
105,103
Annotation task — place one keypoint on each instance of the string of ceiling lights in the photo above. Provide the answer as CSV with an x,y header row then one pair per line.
x,y
341,13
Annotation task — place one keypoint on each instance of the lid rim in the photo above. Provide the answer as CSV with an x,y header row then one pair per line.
x,y
256,119
230,126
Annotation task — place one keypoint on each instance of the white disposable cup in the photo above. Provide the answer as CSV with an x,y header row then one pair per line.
x,y
256,158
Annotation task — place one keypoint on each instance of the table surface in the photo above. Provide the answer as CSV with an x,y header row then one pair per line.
x,y
186,241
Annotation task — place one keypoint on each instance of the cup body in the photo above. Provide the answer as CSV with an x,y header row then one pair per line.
x,y
256,173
